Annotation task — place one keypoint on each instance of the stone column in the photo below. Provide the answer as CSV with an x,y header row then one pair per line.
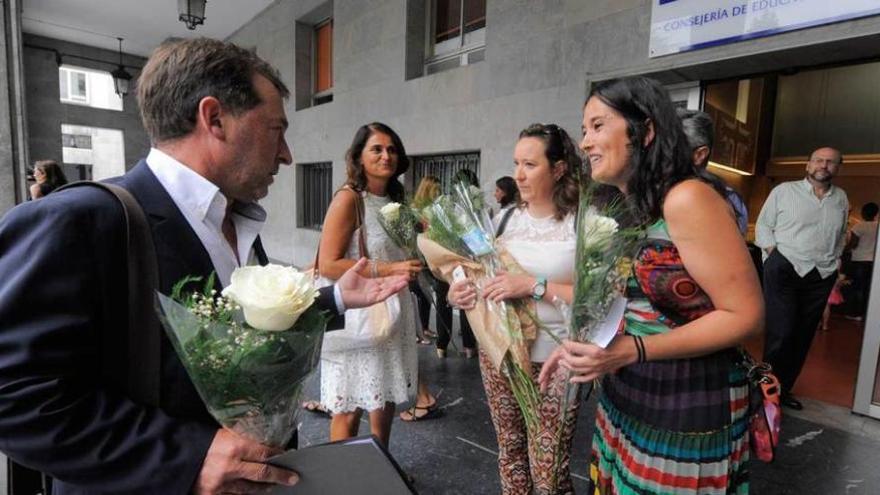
x,y
13,128
13,150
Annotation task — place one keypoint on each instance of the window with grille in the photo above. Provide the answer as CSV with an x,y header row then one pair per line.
x,y
457,34
444,166
315,193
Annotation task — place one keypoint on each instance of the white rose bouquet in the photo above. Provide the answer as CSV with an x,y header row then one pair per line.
x,y
602,267
249,350
603,254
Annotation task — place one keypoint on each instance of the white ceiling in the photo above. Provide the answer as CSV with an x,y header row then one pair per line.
x,y
142,23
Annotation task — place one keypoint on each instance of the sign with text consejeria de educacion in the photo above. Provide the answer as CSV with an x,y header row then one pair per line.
x,y
683,25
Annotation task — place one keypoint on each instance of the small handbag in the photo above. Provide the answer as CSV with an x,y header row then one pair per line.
x,y
765,412
364,327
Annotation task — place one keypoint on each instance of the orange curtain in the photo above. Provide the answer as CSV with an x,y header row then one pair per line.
x,y
324,57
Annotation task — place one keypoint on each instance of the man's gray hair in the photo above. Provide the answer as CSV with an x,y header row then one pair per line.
x,y
698,128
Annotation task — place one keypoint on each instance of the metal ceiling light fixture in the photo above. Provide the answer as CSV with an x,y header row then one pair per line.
x,y
192,12
121,77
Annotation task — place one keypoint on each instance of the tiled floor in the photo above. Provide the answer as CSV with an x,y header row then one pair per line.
x,y
823,450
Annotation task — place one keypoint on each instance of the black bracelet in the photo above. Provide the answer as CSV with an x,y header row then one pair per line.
x,y
642,354
639,348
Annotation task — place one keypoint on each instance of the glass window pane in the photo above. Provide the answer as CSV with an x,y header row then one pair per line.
x,y
62,78
447,19
79,84
735,108
474,15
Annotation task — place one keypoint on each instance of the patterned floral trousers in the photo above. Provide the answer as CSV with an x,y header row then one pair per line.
x,y
525,463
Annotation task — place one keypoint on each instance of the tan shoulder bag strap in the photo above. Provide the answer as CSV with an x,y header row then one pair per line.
x,y
359,222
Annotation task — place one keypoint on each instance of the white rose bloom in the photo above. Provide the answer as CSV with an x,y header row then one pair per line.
x,y
391,211
598,229
272,296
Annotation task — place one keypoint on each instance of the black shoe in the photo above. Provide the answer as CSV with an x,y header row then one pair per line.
x,y
790,402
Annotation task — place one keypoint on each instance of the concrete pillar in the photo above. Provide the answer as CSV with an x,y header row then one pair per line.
x,y
13,152
13,129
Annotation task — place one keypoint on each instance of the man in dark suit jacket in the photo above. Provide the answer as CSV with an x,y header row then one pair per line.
x,y
216,117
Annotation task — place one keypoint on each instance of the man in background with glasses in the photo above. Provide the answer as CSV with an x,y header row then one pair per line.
x,y
802,231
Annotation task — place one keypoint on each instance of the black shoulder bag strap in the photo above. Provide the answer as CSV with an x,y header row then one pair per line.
x,y
359,222
503,224
142,363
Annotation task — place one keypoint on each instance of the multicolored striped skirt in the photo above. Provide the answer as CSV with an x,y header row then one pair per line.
x,y
676,426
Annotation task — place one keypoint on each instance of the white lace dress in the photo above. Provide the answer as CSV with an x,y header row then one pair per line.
x,y
544,247
369,377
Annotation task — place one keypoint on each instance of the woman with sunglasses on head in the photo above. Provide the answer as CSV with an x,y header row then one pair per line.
x,y
540,235
672,414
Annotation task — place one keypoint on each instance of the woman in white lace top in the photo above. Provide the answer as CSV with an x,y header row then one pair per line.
x,y
378,377
540,235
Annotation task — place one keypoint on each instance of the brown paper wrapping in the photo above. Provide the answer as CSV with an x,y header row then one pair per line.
x,y
493,339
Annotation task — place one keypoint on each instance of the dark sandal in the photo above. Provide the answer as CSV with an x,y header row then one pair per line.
x,y
315,407
431,412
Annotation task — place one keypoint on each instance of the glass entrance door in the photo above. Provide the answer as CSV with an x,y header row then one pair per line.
x,y
867,399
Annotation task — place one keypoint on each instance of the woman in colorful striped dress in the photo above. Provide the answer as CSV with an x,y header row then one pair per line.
x,y
672,408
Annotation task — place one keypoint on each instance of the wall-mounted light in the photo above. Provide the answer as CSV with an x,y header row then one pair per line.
x,y
192,12
121,77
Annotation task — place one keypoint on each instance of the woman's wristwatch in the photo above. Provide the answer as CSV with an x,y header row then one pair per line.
x,y
539,288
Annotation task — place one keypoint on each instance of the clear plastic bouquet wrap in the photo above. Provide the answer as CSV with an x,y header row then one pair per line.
x,y
401,222
460,233
603,262
249,350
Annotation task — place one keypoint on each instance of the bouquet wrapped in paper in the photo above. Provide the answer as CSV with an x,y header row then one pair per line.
x,y
460,233
249,350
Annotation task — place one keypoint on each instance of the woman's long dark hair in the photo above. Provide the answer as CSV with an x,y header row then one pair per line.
x,y
558,146
467,176
666,160
508,187
357,178
55,177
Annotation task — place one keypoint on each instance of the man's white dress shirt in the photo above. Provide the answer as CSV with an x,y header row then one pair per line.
x,y
204,207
